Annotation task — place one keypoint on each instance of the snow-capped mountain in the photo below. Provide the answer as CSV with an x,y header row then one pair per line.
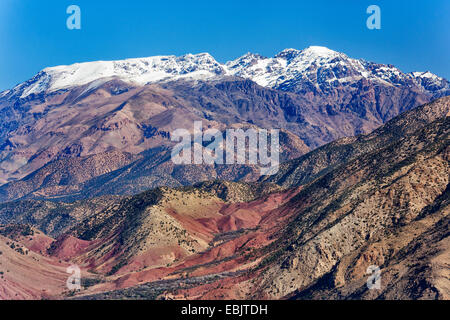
x,y
322,68
83,110
314,68
138,71
286,66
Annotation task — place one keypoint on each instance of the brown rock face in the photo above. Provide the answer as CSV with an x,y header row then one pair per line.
x,y
115,138
76,138
383,202
371,211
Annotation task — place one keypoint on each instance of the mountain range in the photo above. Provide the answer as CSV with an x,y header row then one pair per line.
x,y
105,127
86,179
290,70
306,234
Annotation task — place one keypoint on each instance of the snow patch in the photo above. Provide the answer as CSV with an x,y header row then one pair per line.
x,y
319,65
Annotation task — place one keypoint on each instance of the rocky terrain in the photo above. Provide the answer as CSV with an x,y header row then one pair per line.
x,y
324,159
309,232
100,128
26,271
371,211
52,218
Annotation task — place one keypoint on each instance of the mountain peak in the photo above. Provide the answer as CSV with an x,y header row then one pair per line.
x,y
319,50
288,53
310,51
308,54
245,61
288,67
136,70
313,53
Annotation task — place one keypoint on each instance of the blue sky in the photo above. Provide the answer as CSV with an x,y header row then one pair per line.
x,y
414,34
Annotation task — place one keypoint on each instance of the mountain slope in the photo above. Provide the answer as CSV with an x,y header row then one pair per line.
x,y
322,160
358,205
78,146
52,218
76,138
105,127
386,205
